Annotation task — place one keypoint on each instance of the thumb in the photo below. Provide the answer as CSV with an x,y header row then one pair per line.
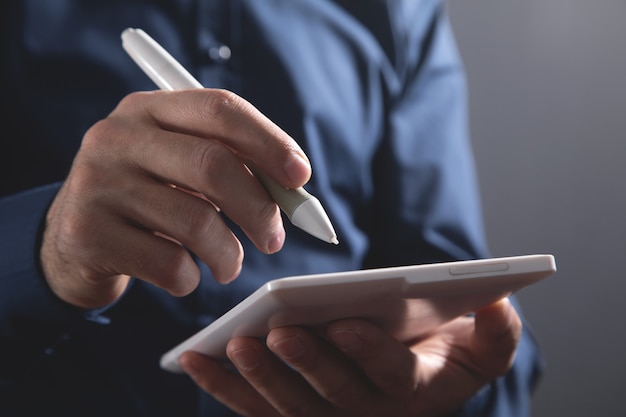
x,y
496,335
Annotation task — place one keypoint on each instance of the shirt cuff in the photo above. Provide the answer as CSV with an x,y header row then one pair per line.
x,y
24,293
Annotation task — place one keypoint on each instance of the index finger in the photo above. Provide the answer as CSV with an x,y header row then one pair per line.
x,y
226,117
386,361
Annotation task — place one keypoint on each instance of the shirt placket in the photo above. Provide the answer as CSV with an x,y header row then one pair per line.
x,y
218,45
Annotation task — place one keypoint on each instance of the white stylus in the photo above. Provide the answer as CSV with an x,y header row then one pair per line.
x,y
303,210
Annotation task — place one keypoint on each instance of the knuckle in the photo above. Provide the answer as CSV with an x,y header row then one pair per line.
x,y
220,102
175,264
114,131
211,160
175,270
219,248
202,221
230,260
84,183
106,141
93,137
134,100
268,213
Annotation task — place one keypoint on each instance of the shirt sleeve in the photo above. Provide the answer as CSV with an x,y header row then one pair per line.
x,y
23,291
32,319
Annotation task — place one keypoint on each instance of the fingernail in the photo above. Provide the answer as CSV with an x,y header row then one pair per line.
x,y
276,242
289,348
297,169
245,359
346,340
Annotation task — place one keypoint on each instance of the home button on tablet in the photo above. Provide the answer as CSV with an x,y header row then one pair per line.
x,y
479,269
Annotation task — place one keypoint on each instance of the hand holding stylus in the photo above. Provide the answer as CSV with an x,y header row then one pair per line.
x,y
148,184
304,210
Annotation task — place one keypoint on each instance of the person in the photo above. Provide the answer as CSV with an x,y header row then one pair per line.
x,y
126,213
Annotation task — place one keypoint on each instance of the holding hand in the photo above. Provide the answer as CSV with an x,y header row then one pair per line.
x,y
358,370
151,179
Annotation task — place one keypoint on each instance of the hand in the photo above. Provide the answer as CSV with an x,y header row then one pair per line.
x,y
150,181
358,370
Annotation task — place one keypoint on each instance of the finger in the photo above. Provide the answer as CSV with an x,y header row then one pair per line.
x,y
129,250
225,386
187,219
287,391
220,114
388,364
326,370
495,339
103,265
204,166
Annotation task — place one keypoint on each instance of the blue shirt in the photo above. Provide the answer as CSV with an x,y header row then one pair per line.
x,y
374,93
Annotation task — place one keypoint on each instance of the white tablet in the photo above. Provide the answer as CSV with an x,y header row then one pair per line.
x,y
407,301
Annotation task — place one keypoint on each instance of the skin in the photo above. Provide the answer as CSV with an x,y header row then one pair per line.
x,y
152,177
150,181
358,370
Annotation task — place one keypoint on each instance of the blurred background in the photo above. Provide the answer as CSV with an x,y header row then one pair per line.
x,y
548,119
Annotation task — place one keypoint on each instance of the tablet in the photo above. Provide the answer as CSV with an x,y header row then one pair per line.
x,y
407,301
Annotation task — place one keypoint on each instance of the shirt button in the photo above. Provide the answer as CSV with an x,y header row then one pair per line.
x,y
219,53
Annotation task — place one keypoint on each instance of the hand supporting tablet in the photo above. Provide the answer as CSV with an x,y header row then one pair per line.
x,y
407,301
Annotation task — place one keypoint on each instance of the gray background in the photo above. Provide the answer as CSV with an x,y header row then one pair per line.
x,y
548,120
